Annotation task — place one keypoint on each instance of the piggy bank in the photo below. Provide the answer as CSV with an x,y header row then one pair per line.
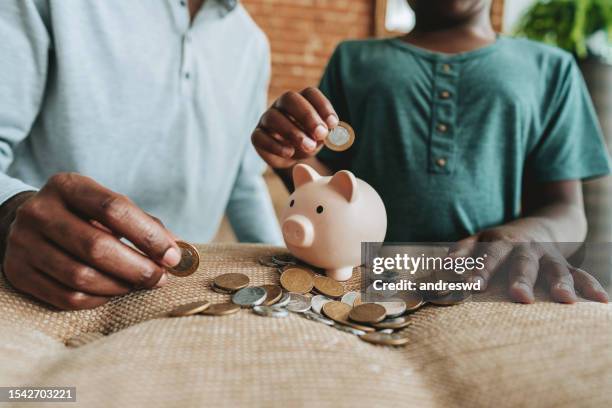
x,y
327,218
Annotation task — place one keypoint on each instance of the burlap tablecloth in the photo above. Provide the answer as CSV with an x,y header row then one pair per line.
x,y
479,354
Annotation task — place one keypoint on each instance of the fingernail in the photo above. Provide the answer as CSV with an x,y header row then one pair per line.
x,y
320,132
525,290
162,281
308,143
287,152
562,286
332,121
172,257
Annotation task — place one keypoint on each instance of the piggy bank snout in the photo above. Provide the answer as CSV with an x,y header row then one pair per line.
x,y
298,231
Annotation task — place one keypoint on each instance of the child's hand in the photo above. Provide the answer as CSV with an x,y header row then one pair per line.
x,y
294,127
503,249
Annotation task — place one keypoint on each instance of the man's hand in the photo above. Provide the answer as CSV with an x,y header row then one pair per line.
x,y
509,248
294,128
64,247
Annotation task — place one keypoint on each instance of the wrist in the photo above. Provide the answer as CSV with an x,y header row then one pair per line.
x,y
8,211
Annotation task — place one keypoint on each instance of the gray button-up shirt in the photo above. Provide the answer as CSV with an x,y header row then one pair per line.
x,y
149,104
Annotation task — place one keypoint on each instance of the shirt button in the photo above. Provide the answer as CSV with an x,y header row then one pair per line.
x,y
187,75
441,162
183,3
446,67
441,127
445,95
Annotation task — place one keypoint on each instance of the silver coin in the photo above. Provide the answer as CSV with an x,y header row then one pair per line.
x,y
298,303
339,136
394,309
283,301
386,331
317,303
349,298
248,297
267,261
269,311
349,329
219,290
284,259
317,318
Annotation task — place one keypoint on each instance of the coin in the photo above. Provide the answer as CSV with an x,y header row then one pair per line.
x,y
336,311
296,280
274,293
267,261
251,296
393,309
284,300
284,259
221,309
368,313
219,290
318,301
453,298
328,287
349,329
395,323
190,308
231,281
356,325
413,301
268,311
302,267
310,315
357,300
190,260
298,303
386,331
350,297
385,339
340,138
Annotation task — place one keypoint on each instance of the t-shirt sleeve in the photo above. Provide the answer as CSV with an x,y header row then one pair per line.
x,y
332,87
570,146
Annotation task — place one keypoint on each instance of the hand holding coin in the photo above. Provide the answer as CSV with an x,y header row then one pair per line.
x,y
295,127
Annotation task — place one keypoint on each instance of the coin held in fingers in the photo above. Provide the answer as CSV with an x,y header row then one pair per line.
x,y
190,260
340,138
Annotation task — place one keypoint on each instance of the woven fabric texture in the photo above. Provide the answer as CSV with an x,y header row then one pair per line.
x,y
478,354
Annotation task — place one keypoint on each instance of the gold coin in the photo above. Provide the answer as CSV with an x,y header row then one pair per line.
x,y
219,290
273,294
395,323
385,339
340,138
368,313
296,280
190,308
357,300
328,287
304,268
190,260
231,281
414,301
336,311
221,309
357,326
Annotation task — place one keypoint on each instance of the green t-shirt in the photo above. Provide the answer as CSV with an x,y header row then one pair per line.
x,y
446,140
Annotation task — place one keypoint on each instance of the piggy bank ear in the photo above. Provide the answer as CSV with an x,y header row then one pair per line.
x,y
303,174
345,183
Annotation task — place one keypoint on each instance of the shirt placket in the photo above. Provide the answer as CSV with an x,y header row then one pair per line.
x,y
443,118
186,67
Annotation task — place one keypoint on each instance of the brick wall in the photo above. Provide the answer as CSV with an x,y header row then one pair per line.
x,y
303,34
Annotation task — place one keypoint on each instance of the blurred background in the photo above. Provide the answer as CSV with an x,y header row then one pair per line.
x,y
304,33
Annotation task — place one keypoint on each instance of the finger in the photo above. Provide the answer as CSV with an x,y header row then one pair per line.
x,y
493,255
274,121
101,250
44,288
464,247
559,279
588,286
264,141
523,266
322,105
120,215
52,261
306,116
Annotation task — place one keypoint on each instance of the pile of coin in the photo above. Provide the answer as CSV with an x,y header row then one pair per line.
x,y
320,299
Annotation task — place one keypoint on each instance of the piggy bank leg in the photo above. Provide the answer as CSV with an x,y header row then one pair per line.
x,y
340,274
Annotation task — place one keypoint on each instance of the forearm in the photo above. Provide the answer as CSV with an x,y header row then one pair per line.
x,y
286,173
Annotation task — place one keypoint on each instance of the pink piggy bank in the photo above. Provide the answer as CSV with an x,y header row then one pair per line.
x,y
328,217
